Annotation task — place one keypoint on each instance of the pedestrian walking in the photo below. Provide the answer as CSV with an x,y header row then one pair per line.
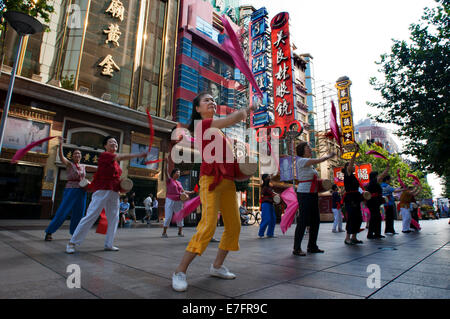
x,y
336,209
106,187
154,208
74,197
148,208
132,211
268,217
217,191
308,199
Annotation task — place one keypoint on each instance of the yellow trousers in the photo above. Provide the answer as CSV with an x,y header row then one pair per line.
x,y
222,199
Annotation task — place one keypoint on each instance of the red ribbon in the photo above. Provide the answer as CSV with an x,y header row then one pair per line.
x,y
152,134
21,153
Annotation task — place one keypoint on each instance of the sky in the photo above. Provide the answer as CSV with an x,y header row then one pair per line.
x,y
347,38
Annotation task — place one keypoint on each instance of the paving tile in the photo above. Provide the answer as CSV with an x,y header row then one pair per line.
x,y
345,284
398,290
421,278
291,291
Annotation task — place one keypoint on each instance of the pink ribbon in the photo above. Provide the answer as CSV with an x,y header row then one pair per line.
x,y
290,198
334,126
188,207
21,153
399,179
233,47
376,154
416,180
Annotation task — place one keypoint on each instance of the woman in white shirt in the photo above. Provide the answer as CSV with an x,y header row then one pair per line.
x,y
308,199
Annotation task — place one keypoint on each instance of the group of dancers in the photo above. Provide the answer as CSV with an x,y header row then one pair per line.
x,y
217,192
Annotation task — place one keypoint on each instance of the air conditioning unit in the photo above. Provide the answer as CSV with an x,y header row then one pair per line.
x,y
106,97
83,90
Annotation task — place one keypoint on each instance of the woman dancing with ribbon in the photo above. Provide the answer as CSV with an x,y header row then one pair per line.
x,y
74,197
106,187
217,190
374,203
308,199
173,201
352,199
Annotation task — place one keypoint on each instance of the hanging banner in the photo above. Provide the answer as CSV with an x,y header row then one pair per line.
x,y
283,79
345,110
362,173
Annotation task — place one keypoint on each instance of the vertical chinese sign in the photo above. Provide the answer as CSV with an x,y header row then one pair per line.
x,y
283,79
345,110
117,11
259,42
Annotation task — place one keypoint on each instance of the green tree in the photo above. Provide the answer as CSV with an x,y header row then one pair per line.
x,y
395,162
37,9
415,90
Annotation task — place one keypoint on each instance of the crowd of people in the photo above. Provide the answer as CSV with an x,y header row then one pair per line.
x,y
217,193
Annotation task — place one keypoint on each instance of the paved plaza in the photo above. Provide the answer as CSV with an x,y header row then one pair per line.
x,y
410,266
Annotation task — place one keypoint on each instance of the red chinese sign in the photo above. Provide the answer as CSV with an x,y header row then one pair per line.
x,y
362,173
282,71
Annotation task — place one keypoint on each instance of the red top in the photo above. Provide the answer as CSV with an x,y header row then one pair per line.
x,y
108,173
174,189
211,166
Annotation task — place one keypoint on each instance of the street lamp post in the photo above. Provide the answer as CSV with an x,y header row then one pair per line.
x,y
24,25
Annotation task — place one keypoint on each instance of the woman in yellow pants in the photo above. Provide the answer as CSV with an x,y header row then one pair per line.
x,y
217,190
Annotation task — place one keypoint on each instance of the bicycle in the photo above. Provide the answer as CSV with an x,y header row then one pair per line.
x,y
254,217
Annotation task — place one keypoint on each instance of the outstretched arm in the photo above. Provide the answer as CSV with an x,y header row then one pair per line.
x,y
124,157
314,161
383,175
233,118
352,160
65,161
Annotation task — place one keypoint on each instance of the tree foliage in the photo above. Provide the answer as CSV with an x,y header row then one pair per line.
x,y
415,90
36,9
395,162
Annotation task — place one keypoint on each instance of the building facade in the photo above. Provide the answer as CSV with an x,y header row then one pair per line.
x,y
96,71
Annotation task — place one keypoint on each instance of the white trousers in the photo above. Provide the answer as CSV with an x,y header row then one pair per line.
x,y
171,207
107,199
406,218
337,219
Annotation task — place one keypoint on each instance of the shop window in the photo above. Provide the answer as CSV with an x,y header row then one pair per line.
x,y
87,138
20,183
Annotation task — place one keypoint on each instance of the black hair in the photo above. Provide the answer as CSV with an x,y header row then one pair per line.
x,y
387,178
344,170
173,172
300,149
265,182
196,115
373,178
106,139
334,187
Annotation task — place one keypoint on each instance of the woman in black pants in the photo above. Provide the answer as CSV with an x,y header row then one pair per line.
x,y
308,199
352,199
374,204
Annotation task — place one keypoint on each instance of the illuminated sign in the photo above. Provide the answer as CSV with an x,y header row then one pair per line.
x,y
283,80
345,110
259,42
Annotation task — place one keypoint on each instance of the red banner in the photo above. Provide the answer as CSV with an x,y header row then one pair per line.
x,y
362,173
284,107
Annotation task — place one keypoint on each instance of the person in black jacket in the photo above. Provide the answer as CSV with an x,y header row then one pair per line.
x,y
374,203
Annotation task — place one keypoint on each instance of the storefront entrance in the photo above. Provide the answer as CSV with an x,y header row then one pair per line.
x,y
20,191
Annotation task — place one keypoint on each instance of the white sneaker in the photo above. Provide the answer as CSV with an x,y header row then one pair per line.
x,y
113,248
222,272
179,282
70,249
